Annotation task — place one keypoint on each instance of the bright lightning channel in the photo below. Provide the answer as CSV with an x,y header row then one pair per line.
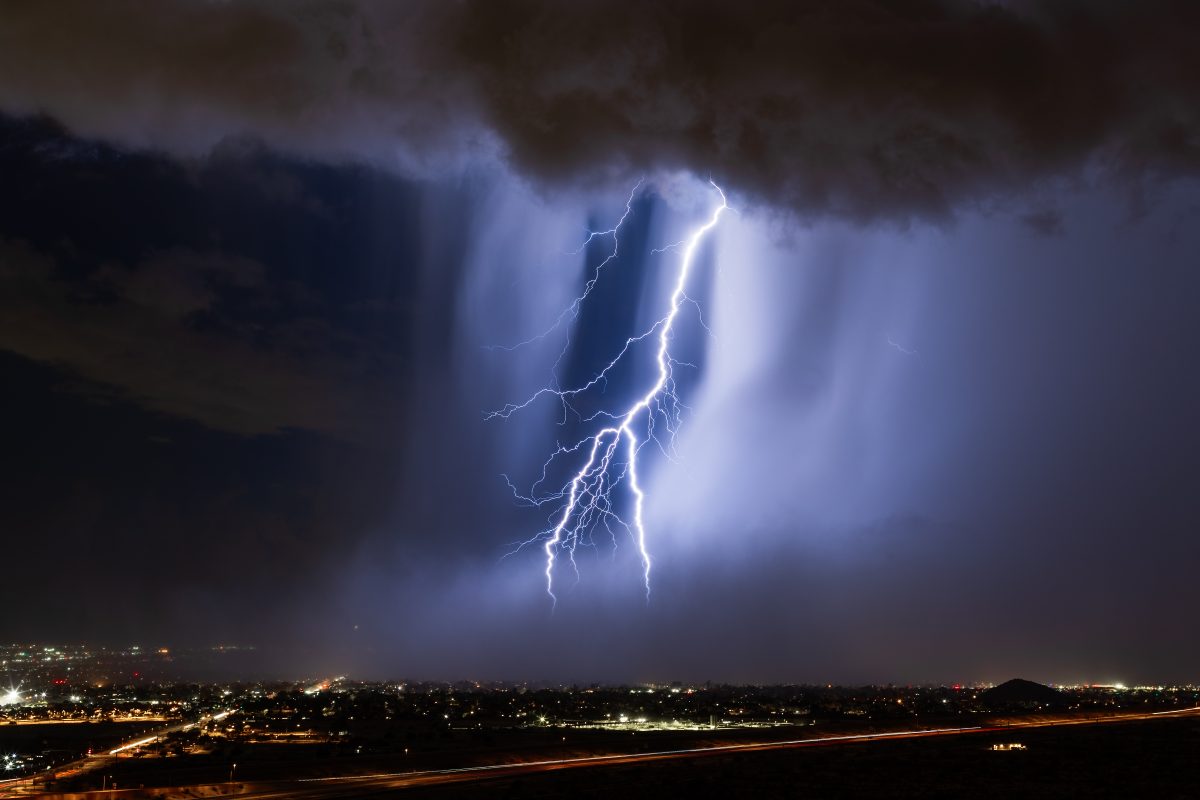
x,y
587,499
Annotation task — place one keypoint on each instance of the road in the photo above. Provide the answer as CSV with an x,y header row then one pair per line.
x,y
385,783
26,786
367,785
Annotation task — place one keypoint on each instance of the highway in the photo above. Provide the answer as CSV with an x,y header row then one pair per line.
x,y
384,783
26,786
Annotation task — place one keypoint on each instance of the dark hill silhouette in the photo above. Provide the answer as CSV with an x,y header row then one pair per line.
x,y
1020,692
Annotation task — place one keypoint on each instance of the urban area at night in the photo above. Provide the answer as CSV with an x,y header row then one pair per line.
x,y
78,719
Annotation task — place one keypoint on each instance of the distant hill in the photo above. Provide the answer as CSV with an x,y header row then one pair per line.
x,y
1020,692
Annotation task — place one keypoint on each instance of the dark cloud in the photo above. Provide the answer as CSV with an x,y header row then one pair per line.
x,y
226,290
142,328
864,109
328,79
1047,222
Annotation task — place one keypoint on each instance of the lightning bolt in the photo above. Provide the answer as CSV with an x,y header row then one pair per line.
x,y
901,348
571,312
610,455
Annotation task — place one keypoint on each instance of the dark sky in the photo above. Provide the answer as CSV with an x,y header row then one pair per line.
x,y
261,263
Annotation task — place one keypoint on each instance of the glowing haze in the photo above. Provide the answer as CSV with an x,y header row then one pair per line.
x,y
285,289
587,499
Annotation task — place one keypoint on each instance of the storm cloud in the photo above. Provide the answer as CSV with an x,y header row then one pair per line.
x,y
867,110
262,263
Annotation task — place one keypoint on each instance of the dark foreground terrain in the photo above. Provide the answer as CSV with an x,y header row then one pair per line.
x,y
1154,756
1159,759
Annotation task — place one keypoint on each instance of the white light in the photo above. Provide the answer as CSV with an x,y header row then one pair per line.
x,y
587,497
132,745
10,698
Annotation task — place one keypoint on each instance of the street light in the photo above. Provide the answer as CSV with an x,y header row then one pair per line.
x,y
232,767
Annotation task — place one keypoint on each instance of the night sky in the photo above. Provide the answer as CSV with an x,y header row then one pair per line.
x,y
262,265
